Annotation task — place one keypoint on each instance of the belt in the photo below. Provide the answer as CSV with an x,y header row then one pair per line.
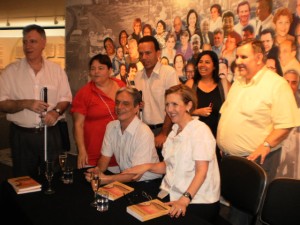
x,y
32,129
155,126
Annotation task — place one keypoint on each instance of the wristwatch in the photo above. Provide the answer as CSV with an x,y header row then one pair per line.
x,y
187,195
266,144
58,111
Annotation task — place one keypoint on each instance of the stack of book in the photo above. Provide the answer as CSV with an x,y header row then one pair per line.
x,y
148,210
24,184
116,190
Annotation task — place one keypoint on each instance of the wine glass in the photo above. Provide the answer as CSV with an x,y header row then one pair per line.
x,y
49,175
62,159
95,182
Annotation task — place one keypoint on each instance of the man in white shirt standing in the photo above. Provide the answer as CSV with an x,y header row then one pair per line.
x,y
21,84
153,81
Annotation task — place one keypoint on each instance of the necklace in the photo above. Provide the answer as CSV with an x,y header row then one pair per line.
x,y
113,118
108,89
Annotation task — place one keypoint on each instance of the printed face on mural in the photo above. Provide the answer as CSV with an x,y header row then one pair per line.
x,y
173,13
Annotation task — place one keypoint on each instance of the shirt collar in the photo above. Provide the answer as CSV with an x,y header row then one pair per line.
x,y
255,79
188,127
155,72
131,127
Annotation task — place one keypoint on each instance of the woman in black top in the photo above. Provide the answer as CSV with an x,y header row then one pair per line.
x,y
211,90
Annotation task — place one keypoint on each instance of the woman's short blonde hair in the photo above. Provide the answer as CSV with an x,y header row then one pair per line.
x,y
187,95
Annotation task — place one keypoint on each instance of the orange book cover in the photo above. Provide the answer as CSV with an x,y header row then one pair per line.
x,y
24,184
148,210
116,190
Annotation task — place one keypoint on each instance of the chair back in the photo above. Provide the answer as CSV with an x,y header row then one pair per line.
x,y
282,202
243,184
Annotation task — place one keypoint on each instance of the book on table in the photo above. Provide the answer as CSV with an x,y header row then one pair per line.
x,y
148,210
116,190
24,184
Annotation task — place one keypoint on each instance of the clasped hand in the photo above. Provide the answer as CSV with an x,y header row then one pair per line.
x,y
138,170
95,171
40,107
49,118
178,207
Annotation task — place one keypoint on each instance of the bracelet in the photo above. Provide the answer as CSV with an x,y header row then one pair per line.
x,y
58,111
267,144
187,195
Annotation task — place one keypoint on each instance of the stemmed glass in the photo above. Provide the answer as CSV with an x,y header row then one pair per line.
x,y
62,159
49,175
95,182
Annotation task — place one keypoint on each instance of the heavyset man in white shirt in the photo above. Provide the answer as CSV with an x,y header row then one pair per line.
x,y
259,112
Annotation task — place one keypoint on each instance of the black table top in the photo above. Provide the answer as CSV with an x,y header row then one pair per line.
x,y
71,205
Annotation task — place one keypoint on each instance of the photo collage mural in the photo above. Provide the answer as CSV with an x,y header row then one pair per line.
x,y
90,22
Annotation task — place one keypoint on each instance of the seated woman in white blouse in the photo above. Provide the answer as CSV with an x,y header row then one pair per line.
x,y
192,180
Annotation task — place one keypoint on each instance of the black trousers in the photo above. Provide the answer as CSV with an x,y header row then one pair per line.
x,y
27,148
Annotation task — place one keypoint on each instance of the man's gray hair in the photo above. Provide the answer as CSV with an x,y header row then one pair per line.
x,y
136,95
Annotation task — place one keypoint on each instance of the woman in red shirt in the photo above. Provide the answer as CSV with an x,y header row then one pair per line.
x,y
93,108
